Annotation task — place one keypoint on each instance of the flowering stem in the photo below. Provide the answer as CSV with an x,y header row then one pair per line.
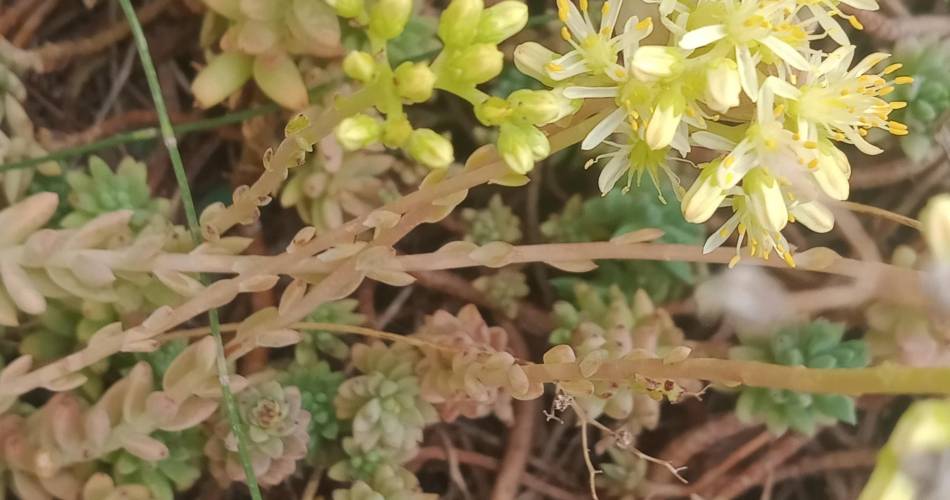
x,y
171,144
883,379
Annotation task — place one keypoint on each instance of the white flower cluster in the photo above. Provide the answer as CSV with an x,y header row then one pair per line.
x,y
740,78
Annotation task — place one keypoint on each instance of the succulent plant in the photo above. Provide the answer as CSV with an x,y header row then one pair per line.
x,y
276,429
387,410
927,60
817,344
624,476
504,289
387,483
495,222
316,342
102,487
612,328
102,191
472,380
54,264
326,189
318,386
175,473
264,40
48,452
17,139
603,217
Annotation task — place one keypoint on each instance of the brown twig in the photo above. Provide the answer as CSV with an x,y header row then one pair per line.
x,y
25,34
733,459
110,126
891,172
11,15
757,473
478,460
693,442
53,56
520,437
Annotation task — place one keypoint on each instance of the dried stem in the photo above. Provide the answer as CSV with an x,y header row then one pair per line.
x,y
758,472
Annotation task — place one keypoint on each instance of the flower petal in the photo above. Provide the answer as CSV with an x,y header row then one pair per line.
x,y
603,129
702,37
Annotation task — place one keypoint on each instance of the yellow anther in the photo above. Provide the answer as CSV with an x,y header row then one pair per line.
x,y
886,90
562,10
903,80
770,143
733,261
729,160
644,24
898,105
789,259
855,23
892,68
634,125
838,136
779,110
691,112
899,132
796,137
565,33
897,125
813,164
554,67
863,132
810,144
604,9
583,4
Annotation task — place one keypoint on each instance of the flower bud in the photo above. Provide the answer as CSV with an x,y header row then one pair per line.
x,y
387,18
396,131
358,131
359,66
429,148
459,22
935,219
704,196
414,81
665,120
540,107
347,8
501,21
521,146
652,62
477,63
722,85
766,201
492,111
531,58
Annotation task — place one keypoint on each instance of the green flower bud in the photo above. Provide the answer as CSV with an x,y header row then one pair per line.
x,y
387,18
501,21
492,111
360,66
521,146
458,25
396,131
540,107
347,8
477,63
429,148
358,131
414,81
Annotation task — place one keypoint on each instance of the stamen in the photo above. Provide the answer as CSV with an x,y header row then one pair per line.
x,y
562,10
583,5
565,33
644,24
855,23
903,80
892,68
898,105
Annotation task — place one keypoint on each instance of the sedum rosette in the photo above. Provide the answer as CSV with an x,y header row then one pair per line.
x,y
276,435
